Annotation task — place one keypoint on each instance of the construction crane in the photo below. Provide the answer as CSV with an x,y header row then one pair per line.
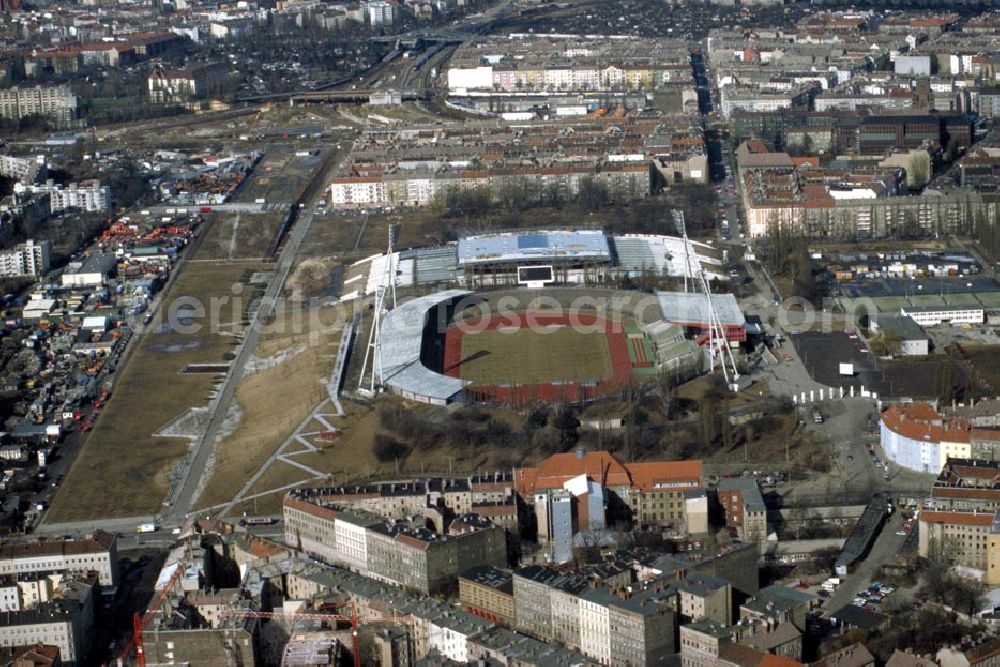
x,y
139,623
353,619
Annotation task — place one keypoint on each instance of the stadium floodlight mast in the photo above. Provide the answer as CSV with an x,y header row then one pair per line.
x,y
717,336
385,291
716,332
681,225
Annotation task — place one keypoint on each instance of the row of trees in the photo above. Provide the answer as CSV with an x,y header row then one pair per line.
x,y
519,194
470,431
987,230
786,253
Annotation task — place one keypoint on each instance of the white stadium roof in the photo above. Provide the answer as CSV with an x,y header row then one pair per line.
x,y
534,245
667,254
402,334
692,308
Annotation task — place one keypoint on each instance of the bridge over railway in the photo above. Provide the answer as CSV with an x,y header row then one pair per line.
x,y
358,95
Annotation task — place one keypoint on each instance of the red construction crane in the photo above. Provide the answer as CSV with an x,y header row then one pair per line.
x,y
353,619
139,623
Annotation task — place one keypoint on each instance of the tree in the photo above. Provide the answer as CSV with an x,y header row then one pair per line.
x,y
947,382
592,194
885,343
803,283
387,449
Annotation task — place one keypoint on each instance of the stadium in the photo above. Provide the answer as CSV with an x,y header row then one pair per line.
x,y
540,327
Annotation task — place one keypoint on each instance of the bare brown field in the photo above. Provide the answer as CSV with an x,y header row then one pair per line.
x,y
123,469
235,236
280,176
274,402
350,459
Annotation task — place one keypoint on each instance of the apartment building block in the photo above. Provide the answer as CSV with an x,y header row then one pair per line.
x,y
96,553
625,181
30,258
451,631
978,650
24,169
437,499
872,202
968,538
970,484
780,604
393,551
25,208
744,507
488,591
88,196
701,595
649,494
702,642
533,160
640,627
311,528
600,612
564,63
737,563
66,622
202,646
10,595
506,647
55,102
197,82
37,588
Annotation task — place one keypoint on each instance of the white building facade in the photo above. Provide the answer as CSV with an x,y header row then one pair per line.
x,y
88,196
30,258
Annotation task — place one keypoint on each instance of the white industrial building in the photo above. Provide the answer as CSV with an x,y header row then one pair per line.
x,y
913,341
935,315
93,271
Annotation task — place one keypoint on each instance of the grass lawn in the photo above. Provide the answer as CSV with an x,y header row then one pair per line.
x,y
532,356
123,469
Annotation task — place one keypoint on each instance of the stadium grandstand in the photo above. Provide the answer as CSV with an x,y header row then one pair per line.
x,y
404,332
536,258
670,347
690,310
